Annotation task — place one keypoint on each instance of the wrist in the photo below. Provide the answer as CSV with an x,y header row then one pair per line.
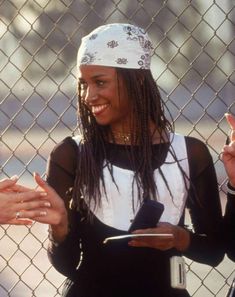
x,y
183,239
58,233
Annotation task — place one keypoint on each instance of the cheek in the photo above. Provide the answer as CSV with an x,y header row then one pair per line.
x,y
124,101
125,104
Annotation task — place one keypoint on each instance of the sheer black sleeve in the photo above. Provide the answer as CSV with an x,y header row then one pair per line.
x,y
229,226
60,175
204,206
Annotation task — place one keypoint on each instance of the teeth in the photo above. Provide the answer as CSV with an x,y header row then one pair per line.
x,y
98,108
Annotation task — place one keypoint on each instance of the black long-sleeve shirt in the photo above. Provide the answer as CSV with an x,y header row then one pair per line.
x,y
229,226
106,269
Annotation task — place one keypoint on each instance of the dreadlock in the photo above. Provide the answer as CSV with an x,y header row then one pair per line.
x,y
147,106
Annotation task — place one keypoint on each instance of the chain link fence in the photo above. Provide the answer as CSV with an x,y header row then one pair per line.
x,y
193,65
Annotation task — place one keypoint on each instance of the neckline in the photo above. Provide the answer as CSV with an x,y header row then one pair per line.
x,y
171,136
167,159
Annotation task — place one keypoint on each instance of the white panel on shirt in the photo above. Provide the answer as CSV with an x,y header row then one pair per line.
x,y
116,210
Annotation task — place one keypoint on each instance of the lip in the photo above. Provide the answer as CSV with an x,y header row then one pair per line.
x,y
99,109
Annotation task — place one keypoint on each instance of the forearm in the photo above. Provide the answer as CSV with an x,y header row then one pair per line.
x,y
62,181
64,251
64,256
206,214
229,225
204,249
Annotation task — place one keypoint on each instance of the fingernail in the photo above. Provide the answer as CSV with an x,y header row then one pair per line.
x,y
43,194
47,204
36,174
14,177
43,213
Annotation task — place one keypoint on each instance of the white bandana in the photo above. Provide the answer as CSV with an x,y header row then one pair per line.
x,y
116,45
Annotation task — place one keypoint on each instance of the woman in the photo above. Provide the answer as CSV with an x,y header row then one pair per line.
x,y
228,157
18,204
127,153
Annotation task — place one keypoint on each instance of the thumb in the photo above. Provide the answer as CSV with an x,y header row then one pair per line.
x,y
231,122
40,181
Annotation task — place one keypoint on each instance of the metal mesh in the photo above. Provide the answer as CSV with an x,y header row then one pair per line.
x,y
193,65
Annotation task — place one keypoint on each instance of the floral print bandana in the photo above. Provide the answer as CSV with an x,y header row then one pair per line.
x,y
116,45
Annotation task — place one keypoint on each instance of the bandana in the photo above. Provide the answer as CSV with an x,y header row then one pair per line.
x,y
116,45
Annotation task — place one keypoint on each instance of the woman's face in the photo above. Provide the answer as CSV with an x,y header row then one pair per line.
x,y
105,96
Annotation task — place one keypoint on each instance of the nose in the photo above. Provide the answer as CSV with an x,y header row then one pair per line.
x,y
90,95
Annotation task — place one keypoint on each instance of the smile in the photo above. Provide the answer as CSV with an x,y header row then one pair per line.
x,y
98,109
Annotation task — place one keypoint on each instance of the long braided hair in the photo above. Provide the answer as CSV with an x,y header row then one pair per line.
x,y
147,106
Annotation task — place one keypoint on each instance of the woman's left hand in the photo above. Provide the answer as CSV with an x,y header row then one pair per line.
x,y
179,238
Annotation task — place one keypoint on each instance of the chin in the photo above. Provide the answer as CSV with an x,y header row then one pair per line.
x,y
102,122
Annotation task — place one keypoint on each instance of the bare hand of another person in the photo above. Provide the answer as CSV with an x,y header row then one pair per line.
x,y
18,204
179,238
228,151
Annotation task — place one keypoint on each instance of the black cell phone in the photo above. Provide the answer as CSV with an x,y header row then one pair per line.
x,y
147,216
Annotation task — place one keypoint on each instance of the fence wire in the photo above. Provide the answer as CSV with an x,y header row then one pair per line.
x,y
193,64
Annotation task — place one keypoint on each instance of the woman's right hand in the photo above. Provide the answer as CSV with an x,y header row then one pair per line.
x,y
56,215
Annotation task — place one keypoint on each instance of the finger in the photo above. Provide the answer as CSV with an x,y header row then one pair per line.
x,y
231,122
229,149
26,196
19,188
138,243
43,184
20,222
42,216
34,205
55,200
30,214
7,183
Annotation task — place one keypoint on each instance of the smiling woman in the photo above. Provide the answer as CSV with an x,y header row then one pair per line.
x,y
125,155
104,96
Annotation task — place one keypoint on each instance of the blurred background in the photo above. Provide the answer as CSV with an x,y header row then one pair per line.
x,y
193,64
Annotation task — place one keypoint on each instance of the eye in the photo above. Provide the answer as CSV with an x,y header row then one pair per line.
x,y
100,83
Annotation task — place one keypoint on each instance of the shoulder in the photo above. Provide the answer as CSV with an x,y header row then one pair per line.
x,y
67,145
64,153
193,144
196,147
198,155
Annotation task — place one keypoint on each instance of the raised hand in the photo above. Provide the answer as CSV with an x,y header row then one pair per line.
x,y
56,214
228,151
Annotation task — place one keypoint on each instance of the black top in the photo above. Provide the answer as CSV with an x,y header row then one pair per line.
x,y
117,269
229,226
